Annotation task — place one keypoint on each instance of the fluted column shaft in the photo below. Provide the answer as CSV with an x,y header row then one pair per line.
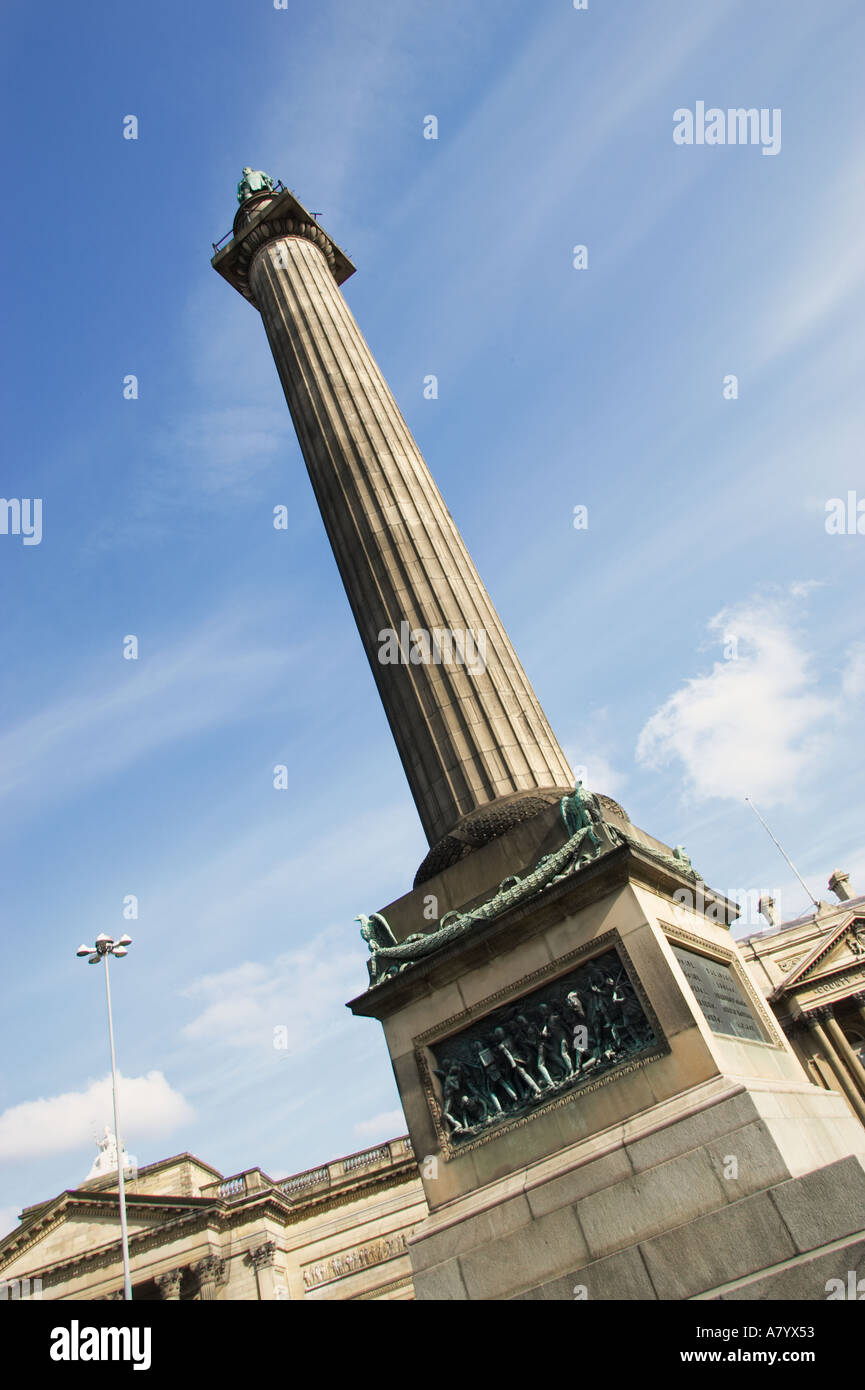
x,y
467,732
835,1064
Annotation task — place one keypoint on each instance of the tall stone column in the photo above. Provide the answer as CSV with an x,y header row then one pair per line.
x,y
471,731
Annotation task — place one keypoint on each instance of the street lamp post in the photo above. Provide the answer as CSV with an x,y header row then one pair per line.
x,y
103,947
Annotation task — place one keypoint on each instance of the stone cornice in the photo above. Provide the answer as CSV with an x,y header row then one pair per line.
x,y
382,1289
97,1204
219,1218
616,868
279,216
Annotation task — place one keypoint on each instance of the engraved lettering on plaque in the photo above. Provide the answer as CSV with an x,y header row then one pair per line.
x,y
724,1006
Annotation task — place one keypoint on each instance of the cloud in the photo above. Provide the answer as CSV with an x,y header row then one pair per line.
x,y
223,452
853,679
758,723
594,769
380,1127
836,246
286,1005
148,1106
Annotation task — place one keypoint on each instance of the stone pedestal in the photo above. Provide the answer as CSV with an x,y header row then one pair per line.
x,y
677,1151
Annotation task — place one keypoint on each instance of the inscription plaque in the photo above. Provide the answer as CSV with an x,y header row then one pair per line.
x,y
717,991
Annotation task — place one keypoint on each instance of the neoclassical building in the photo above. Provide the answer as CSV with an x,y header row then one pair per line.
x,y
811,970
334,1232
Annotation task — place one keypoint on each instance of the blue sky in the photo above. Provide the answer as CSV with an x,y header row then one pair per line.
x,y
557,387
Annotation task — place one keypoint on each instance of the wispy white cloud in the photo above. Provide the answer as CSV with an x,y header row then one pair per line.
x,y
149,1106
286,1005
381,1127
759,722
827,268
591,760
223,451
853,678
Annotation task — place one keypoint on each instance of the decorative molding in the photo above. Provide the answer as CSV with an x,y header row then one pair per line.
x,y
210,1272
513,991
263,1256
589,840
260,236
793,961
830,984
219,1218
70,1205
819,1015
855,927
168,1284
382,1289
390,1247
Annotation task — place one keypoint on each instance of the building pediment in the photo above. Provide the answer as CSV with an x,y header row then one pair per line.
x,y
77,1222
839,952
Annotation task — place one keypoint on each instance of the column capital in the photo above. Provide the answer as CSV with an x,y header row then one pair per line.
x,y
169,1284
268,217
263,1255
210,1272
818,1016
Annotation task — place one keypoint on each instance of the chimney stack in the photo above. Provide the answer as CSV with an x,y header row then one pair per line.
x,y
839,884
766,908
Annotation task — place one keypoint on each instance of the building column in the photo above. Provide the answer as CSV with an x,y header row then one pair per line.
x,y
859,1000
210,1273
270,1280
814,1021
857,1071
793,1030
169,1285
